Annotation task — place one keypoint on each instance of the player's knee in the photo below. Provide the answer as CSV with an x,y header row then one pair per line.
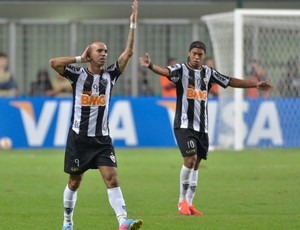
x,y
112,181
74,182
190,161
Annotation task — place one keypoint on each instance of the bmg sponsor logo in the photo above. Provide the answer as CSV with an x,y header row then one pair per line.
x,y
92,100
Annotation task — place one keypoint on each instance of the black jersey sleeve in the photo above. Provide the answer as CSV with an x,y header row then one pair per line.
x,y
175,72
72,72
219,78
114,72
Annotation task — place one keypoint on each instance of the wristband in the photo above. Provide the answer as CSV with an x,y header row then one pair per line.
x,y
132,25
78,59
150,66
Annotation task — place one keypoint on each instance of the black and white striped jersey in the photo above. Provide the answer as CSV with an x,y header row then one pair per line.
x,y
192,87
91,98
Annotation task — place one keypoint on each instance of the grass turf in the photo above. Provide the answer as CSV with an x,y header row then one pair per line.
x,y
252,189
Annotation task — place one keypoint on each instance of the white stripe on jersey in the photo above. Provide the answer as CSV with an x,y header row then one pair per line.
x,y
197,105
184,105
94,109
105,129
77,106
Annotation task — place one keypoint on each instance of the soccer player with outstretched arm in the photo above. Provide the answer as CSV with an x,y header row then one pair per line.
x,y
89,145
193,81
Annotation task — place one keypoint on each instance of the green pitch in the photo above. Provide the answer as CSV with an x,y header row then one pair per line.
x,y
253,189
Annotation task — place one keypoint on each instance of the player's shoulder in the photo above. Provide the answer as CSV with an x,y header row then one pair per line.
x,y
207,67
111,67
209,70
176,66
74,69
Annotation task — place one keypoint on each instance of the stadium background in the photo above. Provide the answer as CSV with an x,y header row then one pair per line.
x,y
251,189
32,32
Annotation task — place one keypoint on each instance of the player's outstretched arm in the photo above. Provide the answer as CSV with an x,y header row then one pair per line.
x,y
239,83
146,63
128,52
59,63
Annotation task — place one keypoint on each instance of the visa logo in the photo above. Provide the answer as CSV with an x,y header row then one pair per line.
x,y
55,115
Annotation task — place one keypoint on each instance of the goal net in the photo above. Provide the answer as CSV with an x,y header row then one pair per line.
x,y
255,44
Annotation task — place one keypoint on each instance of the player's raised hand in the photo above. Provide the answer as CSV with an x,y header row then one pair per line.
x,y
145,61
264,85
133,16
85,56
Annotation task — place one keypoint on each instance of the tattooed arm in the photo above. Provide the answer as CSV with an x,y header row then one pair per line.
x,y
128,52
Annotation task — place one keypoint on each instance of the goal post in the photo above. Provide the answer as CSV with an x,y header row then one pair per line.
x,y
238,72
270,37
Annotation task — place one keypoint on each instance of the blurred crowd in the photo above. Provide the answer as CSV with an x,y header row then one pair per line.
x,y
8,85
43,85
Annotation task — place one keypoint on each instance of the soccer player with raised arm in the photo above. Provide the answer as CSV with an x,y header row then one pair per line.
x,y
193,81
89,145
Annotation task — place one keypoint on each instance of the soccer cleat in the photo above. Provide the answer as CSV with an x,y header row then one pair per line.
x,y
131,224
194,211
68,226
183,208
